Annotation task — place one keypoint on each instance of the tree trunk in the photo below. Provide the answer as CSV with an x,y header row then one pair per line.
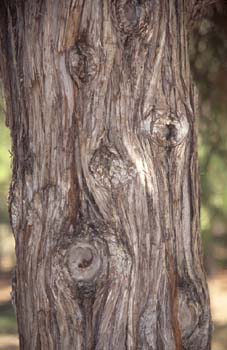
x,y
104,201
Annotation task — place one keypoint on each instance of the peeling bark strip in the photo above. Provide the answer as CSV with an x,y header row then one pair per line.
x,y
104,200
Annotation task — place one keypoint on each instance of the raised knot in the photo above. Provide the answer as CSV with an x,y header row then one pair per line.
x,y
109,170
84,261
82,62
189,312
165,128
131,16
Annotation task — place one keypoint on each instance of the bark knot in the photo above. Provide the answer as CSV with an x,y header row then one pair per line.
x,y
165,128
109,169
188,315
82,63
84,261
131,17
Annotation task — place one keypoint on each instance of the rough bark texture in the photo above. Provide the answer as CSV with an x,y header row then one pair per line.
x,y
104,200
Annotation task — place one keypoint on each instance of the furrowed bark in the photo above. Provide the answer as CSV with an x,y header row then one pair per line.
x,y
104,200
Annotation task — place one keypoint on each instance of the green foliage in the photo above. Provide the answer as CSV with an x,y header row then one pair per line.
x,y
5,169
8,323
208,60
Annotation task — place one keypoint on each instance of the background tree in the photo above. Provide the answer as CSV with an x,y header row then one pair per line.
x,y
104,199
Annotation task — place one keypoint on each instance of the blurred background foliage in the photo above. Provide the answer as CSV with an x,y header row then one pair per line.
x,y
208,49
5,170
8,325
6,239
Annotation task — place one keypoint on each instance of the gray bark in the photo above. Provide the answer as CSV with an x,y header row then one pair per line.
x,y
104,201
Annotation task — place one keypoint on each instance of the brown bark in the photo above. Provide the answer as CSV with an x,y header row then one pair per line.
x,y
104,200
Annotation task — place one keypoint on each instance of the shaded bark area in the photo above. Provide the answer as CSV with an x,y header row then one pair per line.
x,y
104,201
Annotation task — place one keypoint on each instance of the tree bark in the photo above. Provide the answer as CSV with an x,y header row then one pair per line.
x,y
104,201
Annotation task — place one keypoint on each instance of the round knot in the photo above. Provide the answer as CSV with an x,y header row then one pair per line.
x,y
84,261
169,130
